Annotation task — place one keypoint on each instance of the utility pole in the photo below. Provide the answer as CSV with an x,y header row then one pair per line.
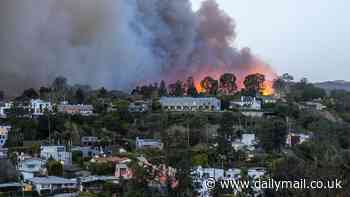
x,y
188,133
49,124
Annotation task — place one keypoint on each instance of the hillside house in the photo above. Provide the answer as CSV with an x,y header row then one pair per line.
x,y
89,141
4,153
39,107
32,167
4,107
53,185
190,104
246,103
84,110
57,153
95,183
4,132
148,144
313,106
246,142
139,106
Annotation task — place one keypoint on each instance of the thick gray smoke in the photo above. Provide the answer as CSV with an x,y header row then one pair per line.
x,y
112,43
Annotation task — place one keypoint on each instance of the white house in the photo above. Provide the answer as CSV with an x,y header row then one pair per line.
x,y
57,153
122,170
234,173
256,172
247,141
205,173
190,104
88,183
39,107
84,110
4,107
148,144
29,168
246,103
314,105
89,141
3,153
4,131
139,106
89,151
53,185
201,175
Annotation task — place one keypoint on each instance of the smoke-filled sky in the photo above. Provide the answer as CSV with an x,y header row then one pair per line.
x,y
306,38
121,43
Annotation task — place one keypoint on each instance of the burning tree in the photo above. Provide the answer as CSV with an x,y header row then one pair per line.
x,y
228,84
210,85
254,83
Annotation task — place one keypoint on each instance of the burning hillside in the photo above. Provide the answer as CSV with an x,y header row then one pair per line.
x,y
117,44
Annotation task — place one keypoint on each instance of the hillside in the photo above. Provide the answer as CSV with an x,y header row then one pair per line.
x,y
334,85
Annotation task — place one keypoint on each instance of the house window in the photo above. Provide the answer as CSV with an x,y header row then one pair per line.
x,y
30,166
45,186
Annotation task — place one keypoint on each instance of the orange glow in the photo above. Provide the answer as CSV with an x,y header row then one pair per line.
x,y
268,88
216,72
198,87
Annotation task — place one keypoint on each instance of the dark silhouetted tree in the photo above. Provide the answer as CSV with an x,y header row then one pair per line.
x,y
2,95
44,92
176,89
30,94
254,83
287,77
80,96
54,168
162,89
191,88
179,88
210,85
228,84
60,84
272,135
225,132
102,92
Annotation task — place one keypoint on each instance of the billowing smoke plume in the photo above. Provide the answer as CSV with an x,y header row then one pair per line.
x,y
115,43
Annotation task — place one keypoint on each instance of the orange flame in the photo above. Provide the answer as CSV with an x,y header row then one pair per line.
x,y
199,87
268,88
218,71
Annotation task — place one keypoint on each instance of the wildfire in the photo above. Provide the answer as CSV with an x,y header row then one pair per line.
x,y
217,72
268,88
199,87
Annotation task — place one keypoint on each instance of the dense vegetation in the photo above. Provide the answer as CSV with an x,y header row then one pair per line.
x,y
193,139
